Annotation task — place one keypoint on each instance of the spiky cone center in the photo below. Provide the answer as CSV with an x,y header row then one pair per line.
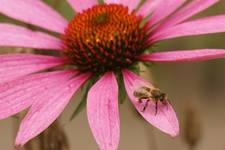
x,y
104,37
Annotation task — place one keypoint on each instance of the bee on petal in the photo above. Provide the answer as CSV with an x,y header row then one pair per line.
x,y
145,94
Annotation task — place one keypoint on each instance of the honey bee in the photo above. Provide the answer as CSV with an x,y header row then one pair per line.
x,y
144,94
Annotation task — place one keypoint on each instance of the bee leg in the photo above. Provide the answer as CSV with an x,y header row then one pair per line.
x,y
166,103
156,108
145,106
145,101
140,100
167,107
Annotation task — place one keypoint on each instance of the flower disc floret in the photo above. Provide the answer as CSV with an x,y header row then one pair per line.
x,y
104,37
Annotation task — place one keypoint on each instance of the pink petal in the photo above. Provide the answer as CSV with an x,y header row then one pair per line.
x,y
26,38
103,112
80,5
184,56
35,13
186,12
131,5
165,119
164,10
13,66
206,25
148,7
46,110
18,95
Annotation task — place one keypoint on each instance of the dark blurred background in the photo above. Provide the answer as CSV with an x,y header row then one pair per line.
x,y
196,90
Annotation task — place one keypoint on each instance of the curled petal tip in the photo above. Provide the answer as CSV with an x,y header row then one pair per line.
x,y
169,118
18,145
175,134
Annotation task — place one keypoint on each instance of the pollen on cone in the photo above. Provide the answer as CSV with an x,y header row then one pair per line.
x,y
105,37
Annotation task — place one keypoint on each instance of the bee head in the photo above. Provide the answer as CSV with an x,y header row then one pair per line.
x,y
162,97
